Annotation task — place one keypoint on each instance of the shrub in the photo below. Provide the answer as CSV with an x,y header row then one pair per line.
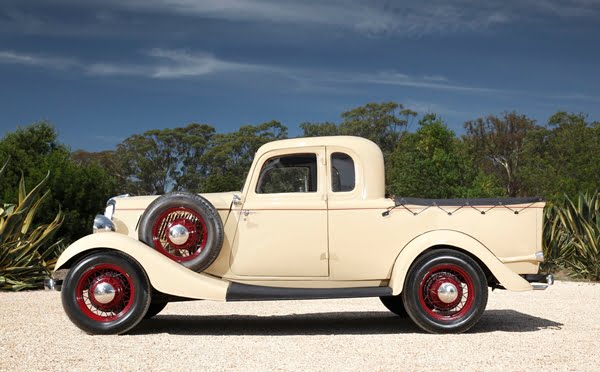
x,y
572,236
25,257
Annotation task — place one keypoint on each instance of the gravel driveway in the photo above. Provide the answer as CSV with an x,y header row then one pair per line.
x,y
554,329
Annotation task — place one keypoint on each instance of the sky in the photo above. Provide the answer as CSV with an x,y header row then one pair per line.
x,y
102,70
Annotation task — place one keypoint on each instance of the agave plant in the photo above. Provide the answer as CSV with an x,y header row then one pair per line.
x,y
572,235
25,256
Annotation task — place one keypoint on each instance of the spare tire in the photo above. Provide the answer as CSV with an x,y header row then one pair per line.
x,y
184,227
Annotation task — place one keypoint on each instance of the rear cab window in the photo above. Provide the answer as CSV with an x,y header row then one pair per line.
x,y
343,177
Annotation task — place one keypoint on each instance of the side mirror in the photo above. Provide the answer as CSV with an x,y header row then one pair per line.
x,y
237,200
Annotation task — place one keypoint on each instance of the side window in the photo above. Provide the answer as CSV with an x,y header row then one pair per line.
x,y
288,173
342,172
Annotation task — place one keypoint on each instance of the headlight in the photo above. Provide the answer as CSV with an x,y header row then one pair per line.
x,y
102,224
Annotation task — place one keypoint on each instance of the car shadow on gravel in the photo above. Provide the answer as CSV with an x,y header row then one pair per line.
x,y
512,321
342,323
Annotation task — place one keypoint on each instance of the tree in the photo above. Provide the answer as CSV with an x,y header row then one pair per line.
x,y
562,158
319,129
383,123
159,161
433,163
230,155
79,190
497,143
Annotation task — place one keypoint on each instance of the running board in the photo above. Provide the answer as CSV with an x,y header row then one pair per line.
x,y
247,292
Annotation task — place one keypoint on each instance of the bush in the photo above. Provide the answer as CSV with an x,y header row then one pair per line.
x,y
572,236
25,257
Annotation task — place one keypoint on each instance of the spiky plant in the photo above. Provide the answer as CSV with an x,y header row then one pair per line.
x,y
25,256
572,235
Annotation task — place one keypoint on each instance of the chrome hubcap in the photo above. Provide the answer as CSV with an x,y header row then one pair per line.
x,y
447,292
104,293
178,234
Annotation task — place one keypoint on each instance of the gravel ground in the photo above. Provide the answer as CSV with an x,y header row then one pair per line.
x,y
556,329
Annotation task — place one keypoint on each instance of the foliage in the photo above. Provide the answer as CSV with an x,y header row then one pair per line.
x,y
319,129
26,255
230,156
159,161
433,163
383,123
497,143
572,236
79,190
563,158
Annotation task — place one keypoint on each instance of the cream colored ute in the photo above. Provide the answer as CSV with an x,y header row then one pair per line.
x,y
311,222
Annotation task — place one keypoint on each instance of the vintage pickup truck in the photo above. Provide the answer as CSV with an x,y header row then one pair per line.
x,y
311,222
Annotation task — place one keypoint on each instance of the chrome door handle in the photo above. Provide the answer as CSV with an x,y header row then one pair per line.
x,y
246,212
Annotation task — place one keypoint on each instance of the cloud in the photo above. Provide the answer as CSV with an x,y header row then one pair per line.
x,y
371,17
12,57
176,64
173,64
410,18
400,79
375,16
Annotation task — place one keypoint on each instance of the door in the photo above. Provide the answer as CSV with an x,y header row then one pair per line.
x,y
282,230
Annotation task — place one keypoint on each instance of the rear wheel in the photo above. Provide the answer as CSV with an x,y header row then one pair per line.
x,y
106,293
445,291
395,305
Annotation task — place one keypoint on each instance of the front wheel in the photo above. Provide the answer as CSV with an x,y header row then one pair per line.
x,y
106,293
154,309
445,291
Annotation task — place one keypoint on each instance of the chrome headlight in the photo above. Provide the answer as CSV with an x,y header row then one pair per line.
x,y
102,223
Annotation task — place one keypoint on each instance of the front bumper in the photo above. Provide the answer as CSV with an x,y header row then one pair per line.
x,y
51,284
539,281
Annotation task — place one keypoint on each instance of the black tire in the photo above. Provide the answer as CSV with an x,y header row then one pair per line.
x,y
154,309
429,308
395,305
124,311
201,249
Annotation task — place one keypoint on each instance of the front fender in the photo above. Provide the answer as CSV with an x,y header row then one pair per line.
x,y
507,278
165,275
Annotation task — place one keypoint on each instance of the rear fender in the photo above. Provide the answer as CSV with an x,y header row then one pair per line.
x,y
451,238
165,275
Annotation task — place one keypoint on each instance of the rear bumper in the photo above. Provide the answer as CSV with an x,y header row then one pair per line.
x,y
539,281
52,284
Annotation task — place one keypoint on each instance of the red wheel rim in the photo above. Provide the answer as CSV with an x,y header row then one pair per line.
x,y
117,279
430,299
192,222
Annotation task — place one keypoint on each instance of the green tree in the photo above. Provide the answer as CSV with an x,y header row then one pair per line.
x,y
562,158
319,129
79,190
230,155
433,163
498,144
159,161
383,123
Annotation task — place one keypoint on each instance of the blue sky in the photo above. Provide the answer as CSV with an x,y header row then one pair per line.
x,y
101,70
